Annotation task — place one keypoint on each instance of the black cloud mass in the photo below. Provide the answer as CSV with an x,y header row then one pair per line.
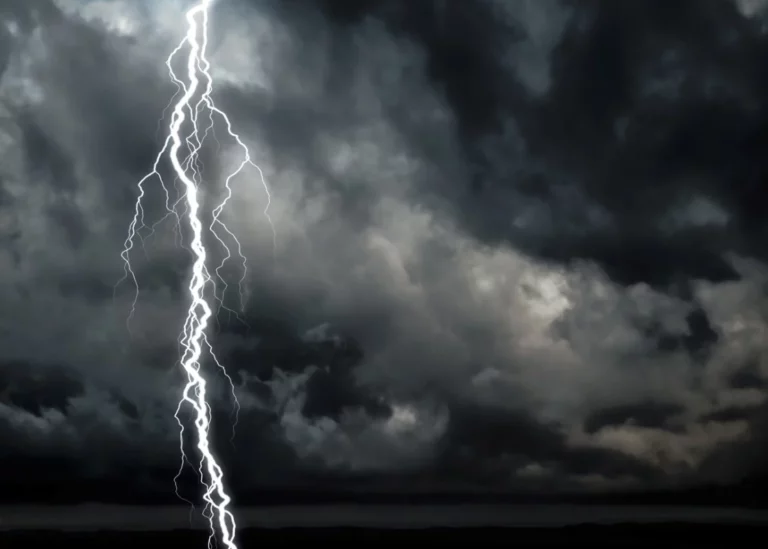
x,y
519,244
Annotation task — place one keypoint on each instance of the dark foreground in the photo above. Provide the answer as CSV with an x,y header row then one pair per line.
x,y
629,535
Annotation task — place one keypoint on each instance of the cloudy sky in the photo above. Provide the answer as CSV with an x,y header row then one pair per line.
x,y
518,243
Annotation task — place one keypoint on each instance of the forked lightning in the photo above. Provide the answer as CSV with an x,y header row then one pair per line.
x,y
195,99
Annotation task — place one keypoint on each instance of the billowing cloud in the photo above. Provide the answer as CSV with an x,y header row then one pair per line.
x,y
516,243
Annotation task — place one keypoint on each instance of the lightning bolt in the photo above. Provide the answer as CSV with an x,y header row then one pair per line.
x,y
193,339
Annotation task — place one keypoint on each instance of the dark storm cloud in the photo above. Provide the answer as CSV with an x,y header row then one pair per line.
x,y
747,378
608,130
517,214
479,437
36,389
639,154
644,155
645,415
73,390
732,414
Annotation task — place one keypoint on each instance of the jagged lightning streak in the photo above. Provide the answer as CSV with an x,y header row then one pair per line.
x,y
193,338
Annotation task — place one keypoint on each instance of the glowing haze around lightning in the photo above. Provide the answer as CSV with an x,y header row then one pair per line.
x,y
198,84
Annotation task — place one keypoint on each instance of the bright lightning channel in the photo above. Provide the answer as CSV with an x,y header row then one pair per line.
x,y
193,338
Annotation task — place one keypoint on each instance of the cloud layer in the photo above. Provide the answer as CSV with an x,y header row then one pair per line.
x,y
517,243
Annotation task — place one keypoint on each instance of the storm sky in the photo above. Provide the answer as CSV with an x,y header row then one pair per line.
x,y
518,243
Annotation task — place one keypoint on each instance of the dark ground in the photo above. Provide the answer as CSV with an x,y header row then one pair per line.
x,y
754,496
49,486
601,536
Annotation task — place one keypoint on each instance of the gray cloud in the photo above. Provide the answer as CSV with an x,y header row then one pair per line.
x,y
534,228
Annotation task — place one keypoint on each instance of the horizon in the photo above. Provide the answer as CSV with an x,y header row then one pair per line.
x,y
508,248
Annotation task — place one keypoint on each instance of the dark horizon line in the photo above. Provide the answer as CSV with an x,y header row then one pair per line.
x,y
747,495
